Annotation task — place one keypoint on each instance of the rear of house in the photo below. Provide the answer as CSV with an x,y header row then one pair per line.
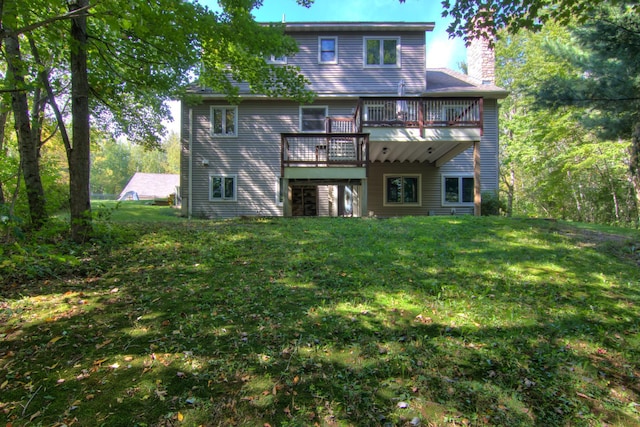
x,y
385,136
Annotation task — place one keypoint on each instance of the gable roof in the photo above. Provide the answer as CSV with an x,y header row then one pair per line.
x,y
152,185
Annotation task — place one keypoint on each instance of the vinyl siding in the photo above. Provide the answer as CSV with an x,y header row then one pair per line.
x,y
489,168
253,157
350,75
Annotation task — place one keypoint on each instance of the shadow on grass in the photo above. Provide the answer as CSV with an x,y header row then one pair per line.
x,y
329,321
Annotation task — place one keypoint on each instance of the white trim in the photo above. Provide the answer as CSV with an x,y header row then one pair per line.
x,y
335,49
276,60
443,192
398,63
326,114
401,204
235,187
279,186
224,119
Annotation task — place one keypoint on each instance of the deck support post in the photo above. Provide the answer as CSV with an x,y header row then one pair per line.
x,y
363,198
477,197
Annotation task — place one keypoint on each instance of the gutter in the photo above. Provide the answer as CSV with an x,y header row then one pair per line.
x,y
190,199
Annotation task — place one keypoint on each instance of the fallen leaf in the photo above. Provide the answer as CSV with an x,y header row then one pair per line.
x,y
4,384
89,397
55,339
180,416
99,362
34,416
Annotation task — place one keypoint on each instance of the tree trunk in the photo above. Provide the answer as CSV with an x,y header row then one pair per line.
x,y
4,114
79,155
27,145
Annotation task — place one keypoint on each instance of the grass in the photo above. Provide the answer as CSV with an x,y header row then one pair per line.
x,y
435,321
135,211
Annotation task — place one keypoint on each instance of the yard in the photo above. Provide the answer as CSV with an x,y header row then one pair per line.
x,y
433,321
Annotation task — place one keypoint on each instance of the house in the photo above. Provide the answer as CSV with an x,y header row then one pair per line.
x,y
385,136
150,186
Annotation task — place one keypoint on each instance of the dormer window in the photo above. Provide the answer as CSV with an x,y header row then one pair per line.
x,y
382,52
327,50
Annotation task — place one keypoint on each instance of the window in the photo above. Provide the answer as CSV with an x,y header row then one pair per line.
x,y
328,50
272,59
381,52
312,118
402,190
457,190
224,121
222,188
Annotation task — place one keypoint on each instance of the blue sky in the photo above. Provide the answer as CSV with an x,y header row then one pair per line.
x,y
441,50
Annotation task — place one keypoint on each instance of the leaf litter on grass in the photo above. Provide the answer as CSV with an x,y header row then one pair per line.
x,y
329,321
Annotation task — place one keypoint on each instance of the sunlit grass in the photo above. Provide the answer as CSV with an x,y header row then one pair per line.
x,y
327,321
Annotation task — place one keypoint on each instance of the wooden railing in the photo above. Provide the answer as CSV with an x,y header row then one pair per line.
x,y
414,112
345,149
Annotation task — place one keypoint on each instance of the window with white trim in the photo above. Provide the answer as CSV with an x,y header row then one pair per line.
x,y
327,50
312,118
277,60
382,52
457,190
223,187
402,190
224,121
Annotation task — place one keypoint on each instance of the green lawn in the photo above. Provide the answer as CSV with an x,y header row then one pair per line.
x,y
134,211
433,321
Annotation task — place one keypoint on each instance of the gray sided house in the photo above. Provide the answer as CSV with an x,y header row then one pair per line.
x,y
385,136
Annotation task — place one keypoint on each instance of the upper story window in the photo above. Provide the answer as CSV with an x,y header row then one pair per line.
x,y
327,50
272,59
312,118
382,52
224,121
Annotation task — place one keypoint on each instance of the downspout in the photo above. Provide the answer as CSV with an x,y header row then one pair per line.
x,y
190,199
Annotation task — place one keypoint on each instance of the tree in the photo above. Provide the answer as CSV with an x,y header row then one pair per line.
x,y
605,54
552,163
473,18
140,54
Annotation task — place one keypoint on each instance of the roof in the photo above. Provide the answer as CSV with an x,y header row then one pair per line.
x,y
301,27
446,82
152,185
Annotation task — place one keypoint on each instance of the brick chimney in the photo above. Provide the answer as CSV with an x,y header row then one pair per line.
x,y
481,61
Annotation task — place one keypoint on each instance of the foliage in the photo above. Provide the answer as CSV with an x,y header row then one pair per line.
x,y
491,204
472,18
604,52
113,163
552,163
326,321
134,66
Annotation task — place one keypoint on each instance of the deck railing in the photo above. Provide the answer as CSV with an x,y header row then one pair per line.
x,y
345,149
414,112
344,145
